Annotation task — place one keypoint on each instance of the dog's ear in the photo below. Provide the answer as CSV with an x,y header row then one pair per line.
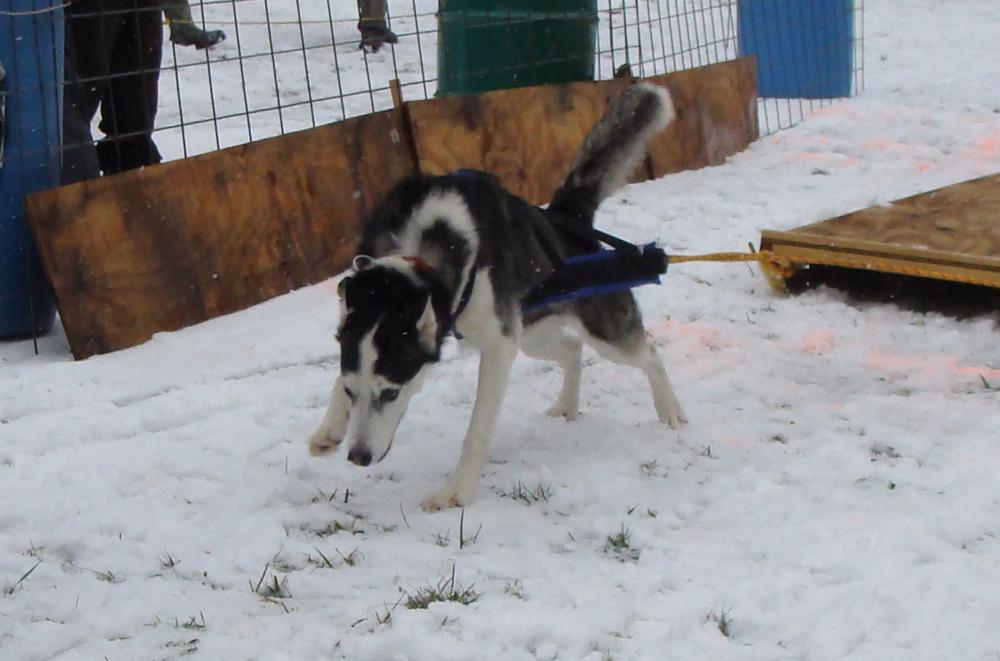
x,y
359,263
385,244
427,328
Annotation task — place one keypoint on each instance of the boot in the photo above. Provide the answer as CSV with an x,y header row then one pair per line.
x,y
126,154
372,26
189,34
184,31
375,34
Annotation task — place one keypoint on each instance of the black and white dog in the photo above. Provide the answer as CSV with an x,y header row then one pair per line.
x,y
457,254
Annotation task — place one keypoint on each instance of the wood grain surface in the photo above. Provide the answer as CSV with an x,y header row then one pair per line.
x,y
527,137
952,233
178,243
716,116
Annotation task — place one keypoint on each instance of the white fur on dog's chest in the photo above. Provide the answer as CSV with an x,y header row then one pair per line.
x,y
478,324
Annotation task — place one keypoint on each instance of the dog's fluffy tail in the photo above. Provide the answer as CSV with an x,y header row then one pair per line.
x,y
613,149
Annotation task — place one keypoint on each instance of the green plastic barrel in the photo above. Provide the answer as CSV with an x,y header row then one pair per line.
x,y
487,45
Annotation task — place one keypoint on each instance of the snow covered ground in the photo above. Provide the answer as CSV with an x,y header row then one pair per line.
x,y
834,497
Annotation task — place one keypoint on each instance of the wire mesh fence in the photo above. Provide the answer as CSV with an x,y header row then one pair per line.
x,y
288,65
293,65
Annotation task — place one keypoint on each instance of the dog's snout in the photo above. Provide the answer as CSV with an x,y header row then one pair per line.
x,y
360,456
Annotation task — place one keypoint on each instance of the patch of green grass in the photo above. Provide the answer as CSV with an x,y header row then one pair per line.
x,y
334,528
446,590
619,544
188,646
722,620
12,587
194,623
653,469
384,617
106,576
283,565
322,561
464,541
273,590
351,559
322,497
444,539
887,451
539,494
514,588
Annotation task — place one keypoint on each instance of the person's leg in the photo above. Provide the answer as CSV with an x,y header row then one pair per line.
x,y
372,26
128,110
184,31
91,29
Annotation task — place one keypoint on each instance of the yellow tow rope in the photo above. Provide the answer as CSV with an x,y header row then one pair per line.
x,y
775,268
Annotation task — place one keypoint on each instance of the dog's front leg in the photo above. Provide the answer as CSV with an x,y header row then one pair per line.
x,y
330,433
494,372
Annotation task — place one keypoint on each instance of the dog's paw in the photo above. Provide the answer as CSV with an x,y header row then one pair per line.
x,y
320,444
560,410
673,416
451,496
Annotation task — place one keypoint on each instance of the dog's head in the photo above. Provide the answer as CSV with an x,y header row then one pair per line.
x,y
389,334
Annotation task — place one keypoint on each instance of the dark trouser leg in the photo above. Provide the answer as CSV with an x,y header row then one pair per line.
x,y
372,26
128,109
91,29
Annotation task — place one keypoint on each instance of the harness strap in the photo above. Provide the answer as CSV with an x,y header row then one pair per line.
x,y
593,274
583,231
601,272
598,273
463,300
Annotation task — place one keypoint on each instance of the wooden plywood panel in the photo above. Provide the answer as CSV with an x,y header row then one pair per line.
x,y
952,233
527,137
716,116
178,243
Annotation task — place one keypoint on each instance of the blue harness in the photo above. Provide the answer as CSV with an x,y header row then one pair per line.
x,y
594,274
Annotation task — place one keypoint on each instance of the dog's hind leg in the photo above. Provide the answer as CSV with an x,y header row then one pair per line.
x,y
548,339
494,372
331,430
668,409
637,351
612,325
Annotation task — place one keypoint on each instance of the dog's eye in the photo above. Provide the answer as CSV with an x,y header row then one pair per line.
x,y
350,394
388,395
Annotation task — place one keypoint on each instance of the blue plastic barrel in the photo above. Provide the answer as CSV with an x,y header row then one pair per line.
x,y
804,48
31,51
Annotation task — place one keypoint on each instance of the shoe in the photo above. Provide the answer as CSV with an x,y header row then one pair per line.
x,y
375,35
128,153
188,34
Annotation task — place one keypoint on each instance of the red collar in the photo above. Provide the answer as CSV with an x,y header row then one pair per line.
x,y
418,263
463,300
